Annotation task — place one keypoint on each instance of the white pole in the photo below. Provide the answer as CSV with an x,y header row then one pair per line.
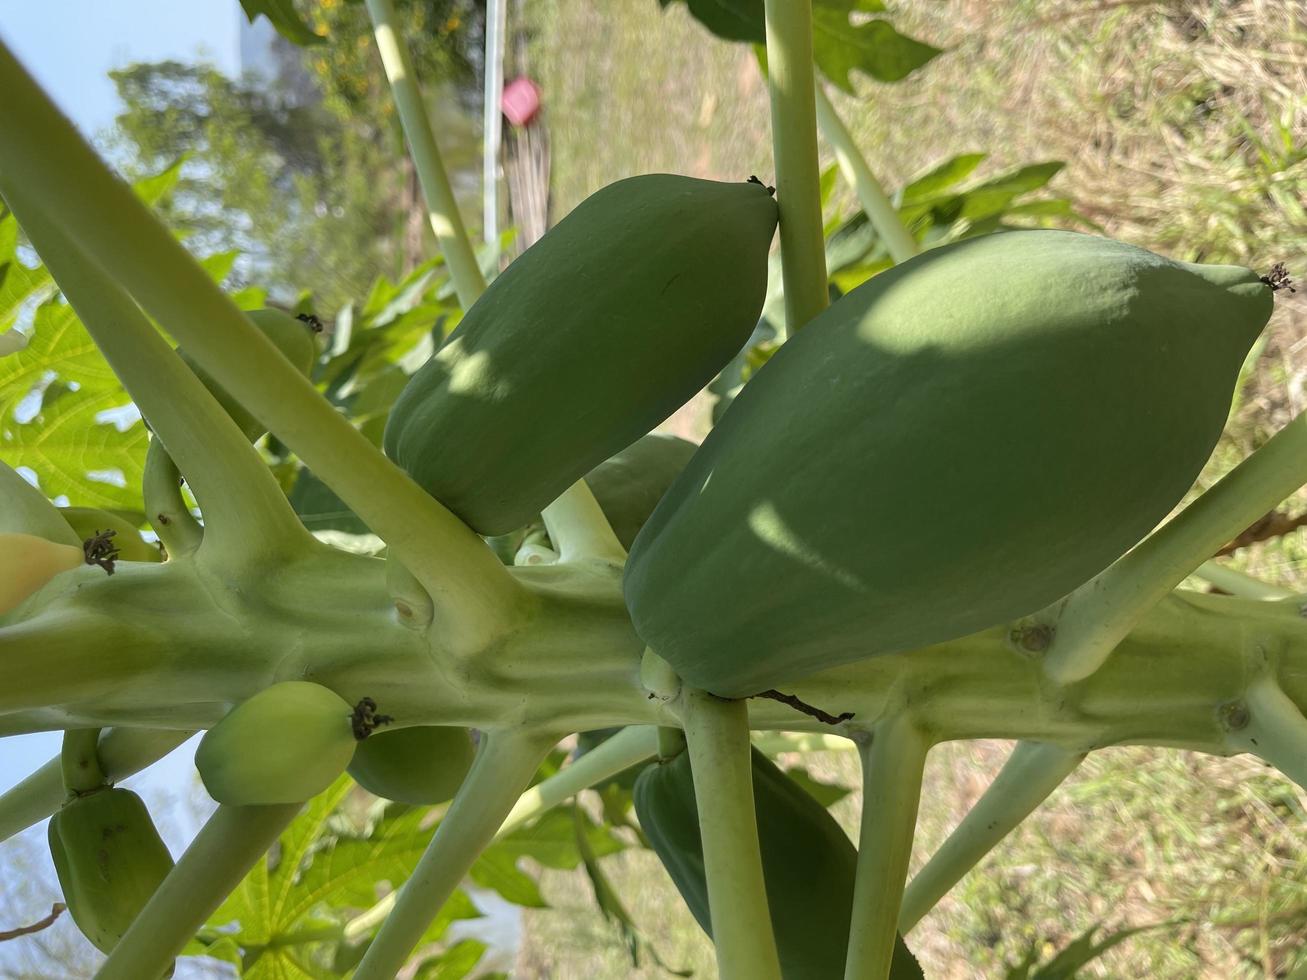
x,y
492,123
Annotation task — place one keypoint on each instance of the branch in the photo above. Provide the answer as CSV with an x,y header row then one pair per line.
x,y
717,738
505,763
880,211
1234,582
56,910
794,146
245,509
1096,617
442,208
122,751
26,510
42,151
1030,774
1270,726
892,766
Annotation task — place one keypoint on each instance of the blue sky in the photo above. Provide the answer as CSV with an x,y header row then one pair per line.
x,y
70,46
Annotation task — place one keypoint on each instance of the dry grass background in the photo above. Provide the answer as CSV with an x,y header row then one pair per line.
x,y
1184,129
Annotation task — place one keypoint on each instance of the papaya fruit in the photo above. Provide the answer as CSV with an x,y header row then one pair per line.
x,y
88,521
629,485
292,336
285,744
109,858
808,864
602,329
958,442
28,562
421,765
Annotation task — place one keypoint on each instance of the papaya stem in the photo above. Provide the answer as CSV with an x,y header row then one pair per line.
x,y
241,498
1095,618
717,737
892,765
212,867
121,751
771,743
442,209
671,742
165,507
630,746
42,151
1270,726
792,88
579,528
504,764
1029,775
1239,583
79,763
880,211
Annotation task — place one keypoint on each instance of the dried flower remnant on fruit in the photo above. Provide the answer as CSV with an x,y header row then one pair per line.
x,y
753,179
365,719
311,320
99,550
1278,278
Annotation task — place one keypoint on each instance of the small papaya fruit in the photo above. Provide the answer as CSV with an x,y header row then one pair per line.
x,y
88,522
808,864
421,765
285,744
291,335
109,858
28,562
958,442
603,327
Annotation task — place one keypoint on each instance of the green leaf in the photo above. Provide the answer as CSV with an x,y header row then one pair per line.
x,y
873,47
551,840
497,869
1023,180
827,794
454,963
946,175
282,14
321,509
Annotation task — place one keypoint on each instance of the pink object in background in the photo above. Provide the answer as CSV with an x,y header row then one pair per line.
x,y
520,101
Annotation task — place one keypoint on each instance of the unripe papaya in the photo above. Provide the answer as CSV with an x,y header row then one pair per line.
x,y
594,335
958,442
28,562
110,860
285,744
292,336
629,485
88,522
421,765
808,864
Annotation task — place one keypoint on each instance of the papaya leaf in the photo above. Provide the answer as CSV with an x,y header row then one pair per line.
x,y
320,508
873,47
1076,955
551,841
497,870
282,15
454,963
827,794
949,173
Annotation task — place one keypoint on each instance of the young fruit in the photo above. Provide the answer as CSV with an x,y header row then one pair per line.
x,y
422,765
109,859
807,861
956,443
28,562
87,522
292,336
604,327
629,485
286,744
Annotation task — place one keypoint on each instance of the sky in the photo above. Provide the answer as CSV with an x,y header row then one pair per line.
x,y
70,46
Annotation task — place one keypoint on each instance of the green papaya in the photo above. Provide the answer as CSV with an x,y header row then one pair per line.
x,y
956,443
594,335
808,864
28,561
109,859
629,485
88,521
291,335
421,765
285,744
